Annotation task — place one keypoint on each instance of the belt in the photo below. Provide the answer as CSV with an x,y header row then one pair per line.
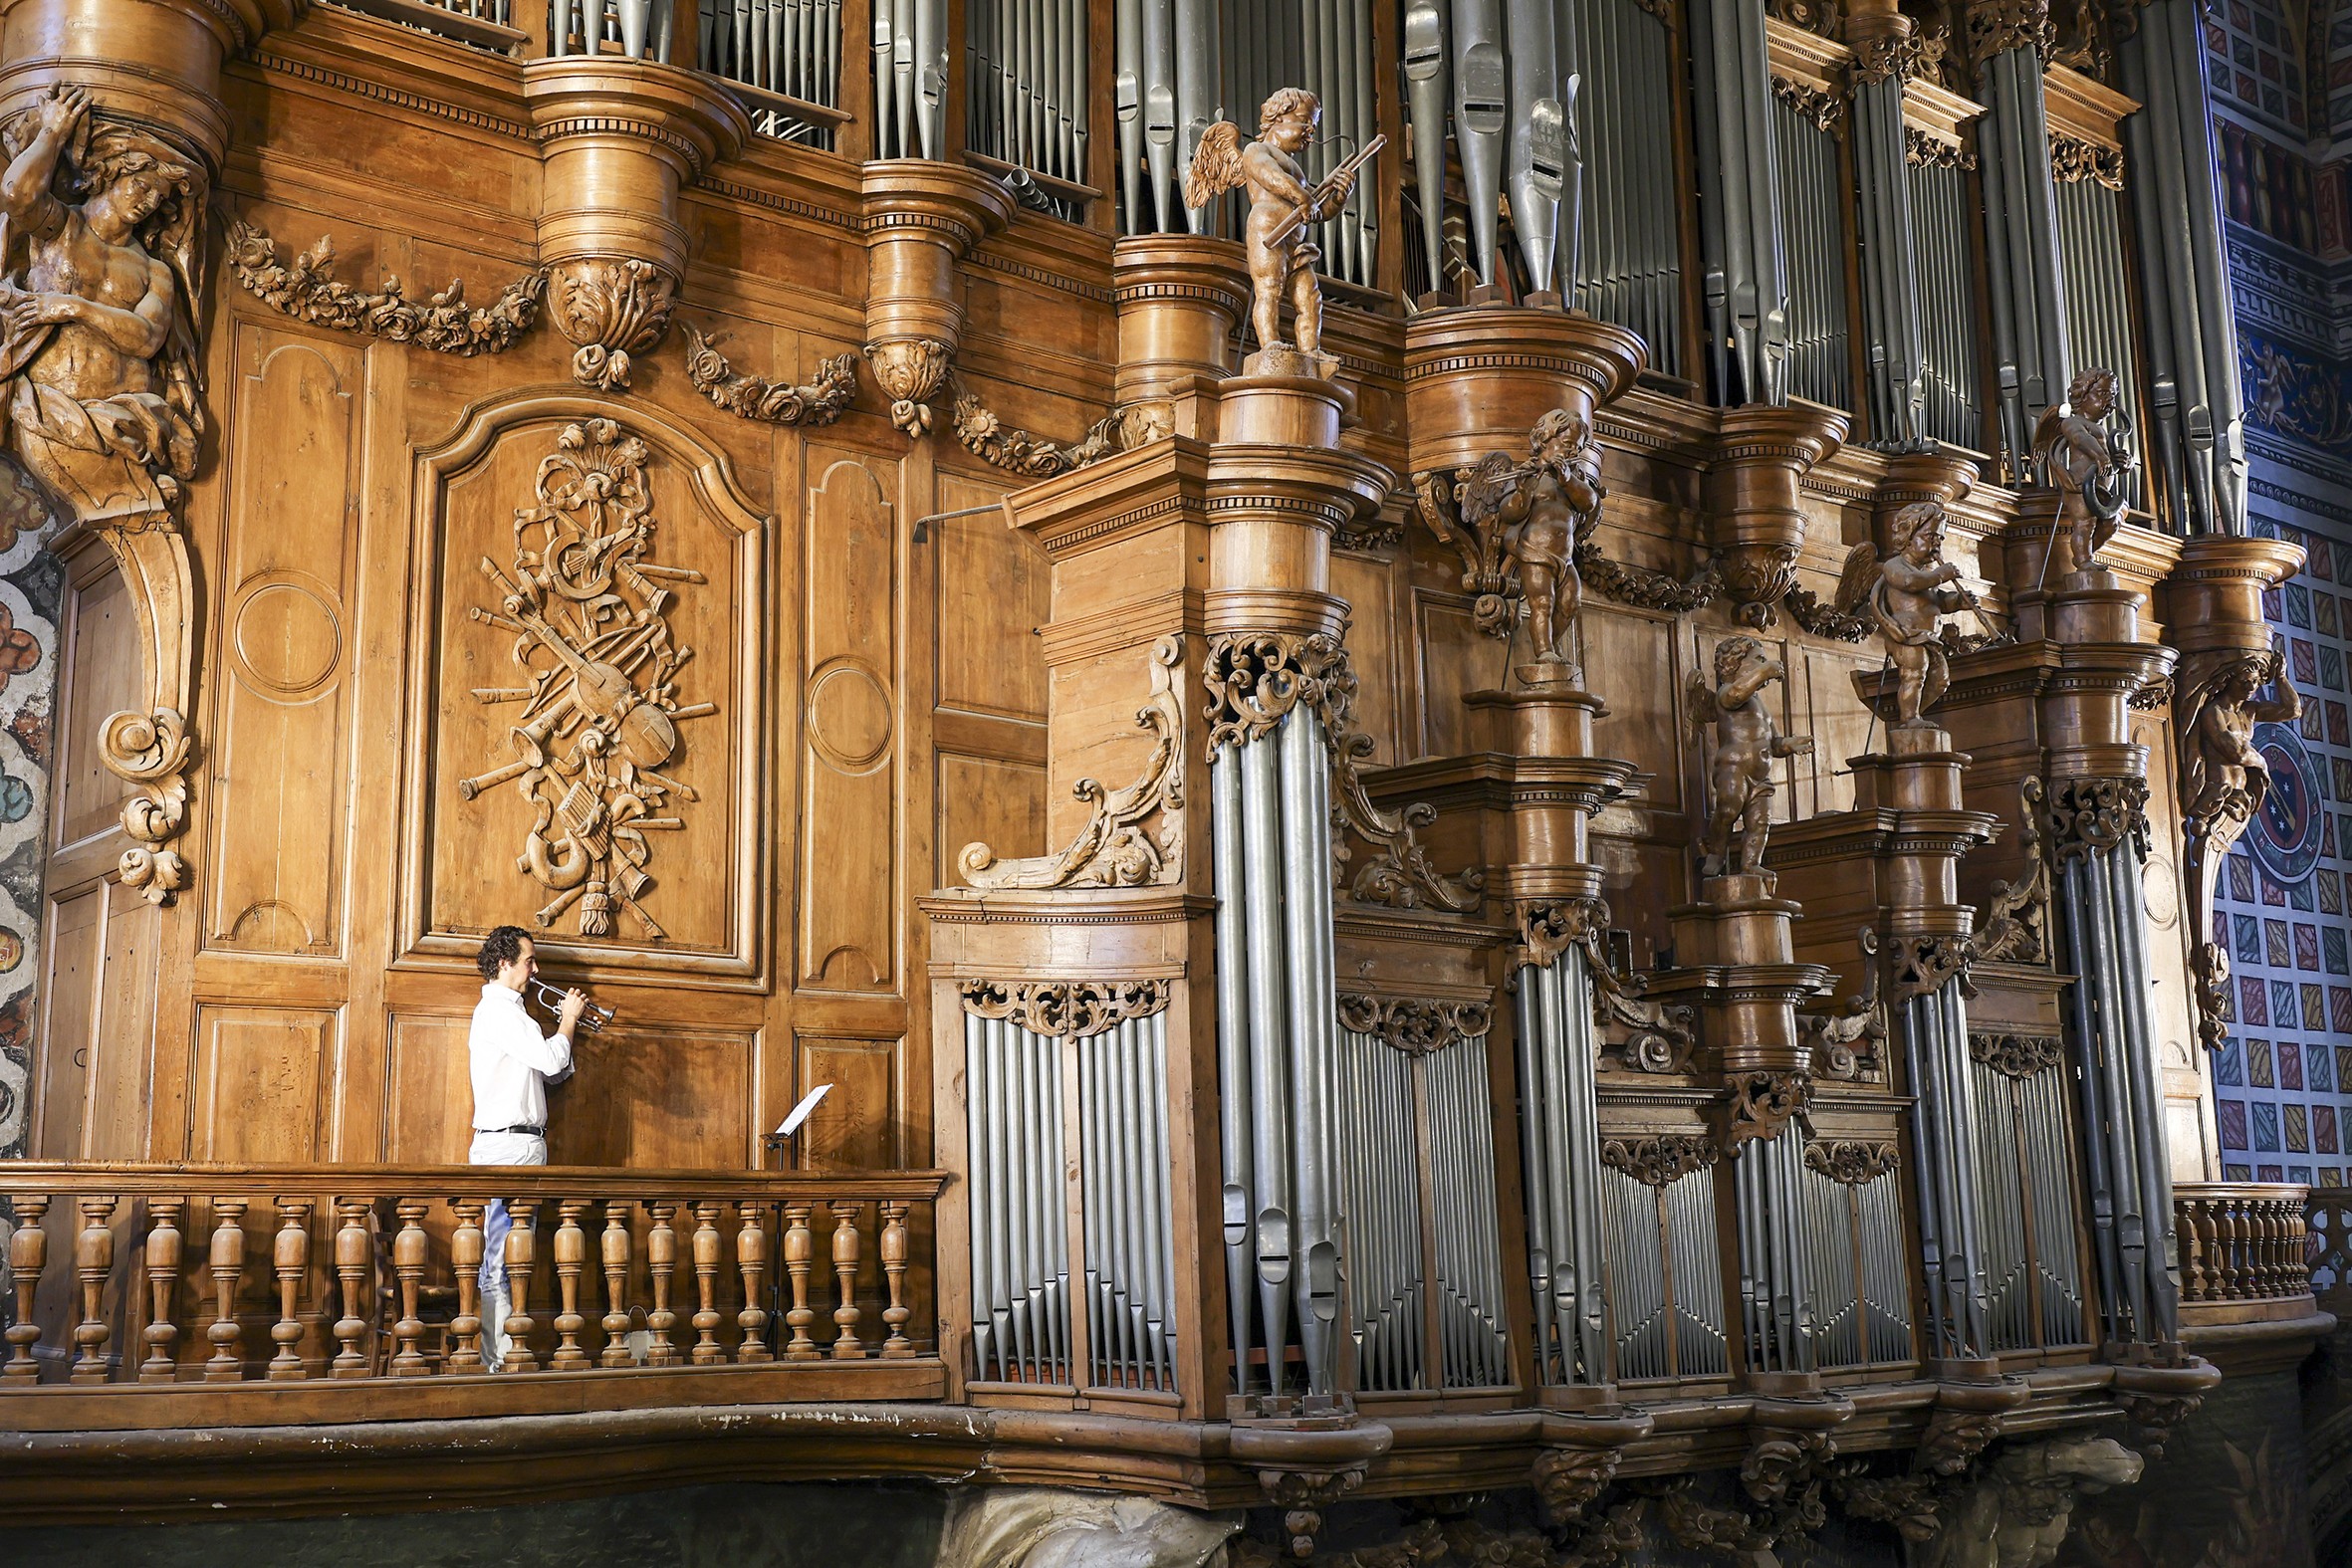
x,y
529,1132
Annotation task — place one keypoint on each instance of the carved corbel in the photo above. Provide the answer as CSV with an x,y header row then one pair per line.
x,y
618,140
1568,1482
920,220
1760,1106
1755,517
1116,848
444,323
818,402
1910,1504
1303,1495
1923,965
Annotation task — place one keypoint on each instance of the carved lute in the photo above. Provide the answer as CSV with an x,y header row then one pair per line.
x,y
605,693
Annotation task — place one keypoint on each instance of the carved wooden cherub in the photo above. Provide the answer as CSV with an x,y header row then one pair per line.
x,y
1545,508
2086,459
1907,600
1746,741
1282,204
2224,779
95,339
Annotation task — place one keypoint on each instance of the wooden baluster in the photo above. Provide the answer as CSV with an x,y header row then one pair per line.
x,y
571,1260
661,1256
466,1255
751,1259
897,1346
94,1260
226,1265
707,1350
2298,1247
290,1260
522,1261
354,1267
28,1255
408,1260
2188,1220
799,1248
2274,1246
2214,1265
2233,1266
2257,1264
615,1251
845,1345
163,1252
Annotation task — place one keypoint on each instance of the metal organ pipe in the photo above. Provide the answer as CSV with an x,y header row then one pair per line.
x,y
1428,89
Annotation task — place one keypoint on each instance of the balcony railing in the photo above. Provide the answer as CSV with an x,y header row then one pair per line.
x,y
267,1276
2246,1249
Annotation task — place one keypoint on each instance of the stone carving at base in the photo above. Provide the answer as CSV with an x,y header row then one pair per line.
x,y
1051,1527
444,323
1117,848
819,402
2017,1512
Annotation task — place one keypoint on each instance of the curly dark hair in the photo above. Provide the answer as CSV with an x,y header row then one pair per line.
x,y
499,949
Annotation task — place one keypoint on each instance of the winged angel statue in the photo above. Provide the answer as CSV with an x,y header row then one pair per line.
x,y
1536,513
1907,600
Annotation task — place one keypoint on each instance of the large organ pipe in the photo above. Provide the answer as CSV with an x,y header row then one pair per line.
x,y
1428,89
1480,102
1536,155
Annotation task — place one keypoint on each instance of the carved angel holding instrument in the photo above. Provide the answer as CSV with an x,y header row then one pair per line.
x,y
1541,511
1746,743
1907,600
2086,460
101,253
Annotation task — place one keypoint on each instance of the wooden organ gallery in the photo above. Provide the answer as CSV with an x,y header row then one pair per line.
x,y
1483,740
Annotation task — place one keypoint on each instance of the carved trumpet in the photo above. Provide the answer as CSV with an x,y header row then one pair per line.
x,y
591,1019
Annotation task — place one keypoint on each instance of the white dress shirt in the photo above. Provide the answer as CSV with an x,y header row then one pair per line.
x,y
513,1063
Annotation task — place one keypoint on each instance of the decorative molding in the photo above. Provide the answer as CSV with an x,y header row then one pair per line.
x,y
1824,111
444,323
819,402
2074,160
1065,1009
2090,815
2017,926
1850,1162
1416,1025
598,679
1759,1105
1927,152
1116,848
2015,1054
397,97
1660,1161
913,371
609,307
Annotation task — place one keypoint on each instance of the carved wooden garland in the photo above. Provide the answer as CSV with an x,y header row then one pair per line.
x,y
819,402
597,668
1415,1026
1065,1009
1115,849
443,324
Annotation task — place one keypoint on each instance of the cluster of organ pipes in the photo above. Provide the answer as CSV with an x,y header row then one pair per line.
x,y
1776,1303
1812,204
2098,329
1893,251
2021,261
1627,253
1745,290
1666,1295
2032,1275
1948,1149
791,47
1024,84
640,29
1855,1234
1951,364
910,78
1021,1328
1560,1112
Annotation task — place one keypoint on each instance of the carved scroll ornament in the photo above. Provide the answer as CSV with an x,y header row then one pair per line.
x,y
2015,1055
609,307
1659,1037
1660,1161
1995,26
2016,924
913,371
1934,151
1065,1009
104,238
819,402
1759,1105
2072,158
1824,111
1850,1162
1416,1025
1849,1044
596,670
1116,847
444,323
2089,816
1922,966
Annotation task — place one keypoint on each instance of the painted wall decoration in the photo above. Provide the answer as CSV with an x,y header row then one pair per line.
x,y
30,584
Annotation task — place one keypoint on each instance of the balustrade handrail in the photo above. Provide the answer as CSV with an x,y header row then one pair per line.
x,y
142,1179
2243,1242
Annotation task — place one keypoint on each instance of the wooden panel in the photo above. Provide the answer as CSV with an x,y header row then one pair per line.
x,y
673,1098
278,751
995,589
855,1128
102,676
988,801
248,1059
1630,661
850,870
1451,648
122,1036
1371,644
430,1095
69,988
1840,726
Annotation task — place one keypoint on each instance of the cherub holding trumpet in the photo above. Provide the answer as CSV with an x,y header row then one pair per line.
x,y
1282,204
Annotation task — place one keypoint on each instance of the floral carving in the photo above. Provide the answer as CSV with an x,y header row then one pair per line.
x,y
2089,816
1804,606
984,435
913,371
2072,158
1924,965
609,308
1759,1105
1645,588
819,402
1415,1026
1117,848
1255,681
2017,1055
1824,111
1065,1009
1660,1161
2017,924
1851,1161
596,671
444,323
150,750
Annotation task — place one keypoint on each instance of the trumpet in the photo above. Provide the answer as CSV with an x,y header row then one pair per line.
x,y
592,1018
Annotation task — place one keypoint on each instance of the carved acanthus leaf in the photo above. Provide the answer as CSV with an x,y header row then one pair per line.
x,y
1255,680
609,307
819,402
1122,845
1852,1160
1658,1161
1934,151
1824,111
2014,1053
2087,817
595,669
1863,1018
2072,158
1065,1009
1995,26
443,323
1570,1481
913,371
1922,966
1416,1025
2017,924
984,435
1759,1105
150,750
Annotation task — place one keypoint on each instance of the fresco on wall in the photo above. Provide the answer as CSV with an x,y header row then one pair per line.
x,y
31,585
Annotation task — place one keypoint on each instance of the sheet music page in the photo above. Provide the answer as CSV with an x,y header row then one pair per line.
x,y
800,1112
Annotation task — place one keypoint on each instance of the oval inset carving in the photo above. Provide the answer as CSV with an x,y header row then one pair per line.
x,y
2160,889
287,637
849,716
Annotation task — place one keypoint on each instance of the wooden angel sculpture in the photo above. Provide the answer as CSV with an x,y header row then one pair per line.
x,y
1542,510
1746,743
1282,204
2086,460
98,265
1908,600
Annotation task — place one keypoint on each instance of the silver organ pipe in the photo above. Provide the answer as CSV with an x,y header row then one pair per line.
x,y
1199,99
788,47
1626,259
1536,147
1812,203
910,78
2098,300
1741,236
1018,1207
1427,42
1024,84
1951,367
640,28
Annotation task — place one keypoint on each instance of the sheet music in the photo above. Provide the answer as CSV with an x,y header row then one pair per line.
x,y
800,1112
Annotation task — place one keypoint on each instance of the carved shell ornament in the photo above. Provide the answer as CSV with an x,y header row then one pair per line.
x,y
595,671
